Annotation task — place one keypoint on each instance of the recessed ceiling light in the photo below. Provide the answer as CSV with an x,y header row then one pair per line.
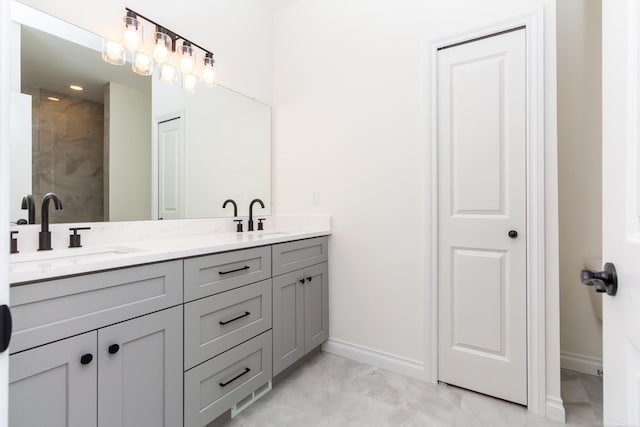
x,y
53,98
76,87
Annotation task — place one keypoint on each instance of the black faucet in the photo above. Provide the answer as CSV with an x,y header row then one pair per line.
x,y
250,227
45,234
28,203
235,207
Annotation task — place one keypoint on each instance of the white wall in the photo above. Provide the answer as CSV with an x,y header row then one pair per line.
x,y
237,31
351,122
227,148
128,145
580,168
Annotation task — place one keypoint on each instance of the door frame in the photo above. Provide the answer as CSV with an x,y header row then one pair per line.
x,y
155,157
535,211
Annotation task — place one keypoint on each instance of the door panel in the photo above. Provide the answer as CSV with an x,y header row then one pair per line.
x,y
316,305
141,383
288,320
621,206
170,173
49,386
482,196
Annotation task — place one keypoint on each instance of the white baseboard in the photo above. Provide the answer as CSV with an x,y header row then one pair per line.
x,y
580,363
380,359
555,410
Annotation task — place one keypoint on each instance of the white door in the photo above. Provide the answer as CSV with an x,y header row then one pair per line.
x,y
482,216
621,209
170,169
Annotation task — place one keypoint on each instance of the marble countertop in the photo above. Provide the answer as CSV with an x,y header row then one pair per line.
x,y
35,266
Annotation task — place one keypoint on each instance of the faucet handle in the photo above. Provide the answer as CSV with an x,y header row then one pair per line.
x,y
260,224
239,225
14,242
75,238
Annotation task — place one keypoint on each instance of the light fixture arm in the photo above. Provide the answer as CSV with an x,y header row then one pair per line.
x,y
174,36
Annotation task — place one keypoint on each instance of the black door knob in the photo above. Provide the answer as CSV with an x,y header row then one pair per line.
x,y
603,281
513,234
86,358
113,348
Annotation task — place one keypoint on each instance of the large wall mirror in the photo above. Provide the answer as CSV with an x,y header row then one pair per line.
x,y
126,147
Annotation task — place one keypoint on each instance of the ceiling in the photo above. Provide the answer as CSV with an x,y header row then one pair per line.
x,y
51,63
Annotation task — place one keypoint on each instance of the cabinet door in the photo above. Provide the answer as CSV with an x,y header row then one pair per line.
x,y
316,306
50,386
140,381
288,320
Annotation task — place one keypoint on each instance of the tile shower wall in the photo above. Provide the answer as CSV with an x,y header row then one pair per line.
x,y
68,155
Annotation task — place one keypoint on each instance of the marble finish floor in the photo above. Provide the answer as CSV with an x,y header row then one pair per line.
x,y
582,396
329,391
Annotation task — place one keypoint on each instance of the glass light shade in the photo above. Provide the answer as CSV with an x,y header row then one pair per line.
x,y
187,58
189,82
132,32
142,64
168,74
162,47
113,52
208,73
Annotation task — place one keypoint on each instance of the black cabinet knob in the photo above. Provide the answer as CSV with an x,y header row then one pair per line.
x,y
113,348
513,234
86,358
309,278
301,281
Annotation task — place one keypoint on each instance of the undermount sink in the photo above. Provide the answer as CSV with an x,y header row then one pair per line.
x,y
62,257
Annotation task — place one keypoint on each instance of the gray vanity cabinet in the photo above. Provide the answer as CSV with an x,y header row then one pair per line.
x,y
300,300
140,371
53,385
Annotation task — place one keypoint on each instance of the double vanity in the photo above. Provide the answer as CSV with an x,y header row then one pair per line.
x,y
173,331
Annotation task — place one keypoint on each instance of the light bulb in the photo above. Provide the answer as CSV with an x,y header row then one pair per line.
x,y
162,48
189,83
187,58
132,32
113,52
168,74
208,73
142,64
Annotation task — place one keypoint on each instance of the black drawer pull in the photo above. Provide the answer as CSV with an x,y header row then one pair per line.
x,y
224,322
246,371
86,358
246,267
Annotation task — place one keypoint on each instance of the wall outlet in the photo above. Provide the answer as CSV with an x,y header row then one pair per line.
x,y
314,198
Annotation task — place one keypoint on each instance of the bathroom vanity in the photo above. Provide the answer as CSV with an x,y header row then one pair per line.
x,y
167,333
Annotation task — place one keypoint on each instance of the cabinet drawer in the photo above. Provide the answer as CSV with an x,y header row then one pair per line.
x,y
212,274
299,254
55,309
214,324
213,387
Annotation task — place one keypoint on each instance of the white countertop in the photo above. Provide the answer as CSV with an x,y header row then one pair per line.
x,y
35,266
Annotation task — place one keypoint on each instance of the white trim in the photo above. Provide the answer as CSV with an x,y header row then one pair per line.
x,y
380,359
555,410
578,362
536,332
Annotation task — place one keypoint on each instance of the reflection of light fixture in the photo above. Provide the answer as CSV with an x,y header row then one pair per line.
x,y
113,52
168,74
142,64
53,98
172,64
76,87
132,31
208,73
189,82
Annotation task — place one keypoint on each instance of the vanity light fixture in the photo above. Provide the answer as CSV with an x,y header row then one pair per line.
x,y
173,61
